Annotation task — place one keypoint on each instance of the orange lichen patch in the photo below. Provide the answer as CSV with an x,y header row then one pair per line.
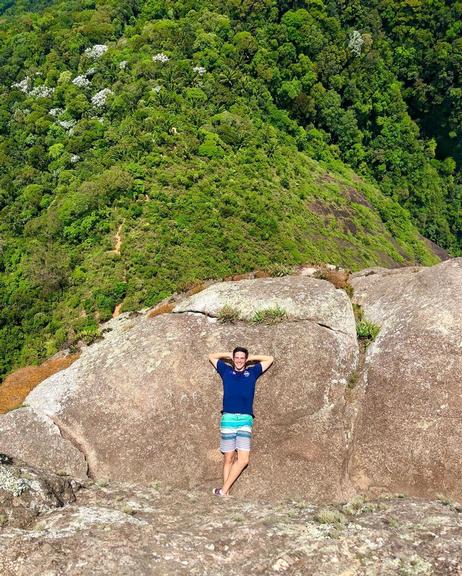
x,y
117,310
339,278
162,309
195,289
237,277
19,383
261,274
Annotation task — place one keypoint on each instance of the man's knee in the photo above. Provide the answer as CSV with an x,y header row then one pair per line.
x,y
243,457
229,456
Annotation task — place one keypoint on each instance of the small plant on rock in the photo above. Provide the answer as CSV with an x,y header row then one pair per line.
x,y
359,505
155,485
391,521
329,516
353,380
349,290
446,501
228,315
367,331
269,315
127,509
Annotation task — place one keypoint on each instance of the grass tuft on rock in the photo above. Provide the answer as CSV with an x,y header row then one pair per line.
x,y
269,315
329,516
228,314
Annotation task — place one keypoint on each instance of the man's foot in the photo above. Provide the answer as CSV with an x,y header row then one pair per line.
x,y
219,492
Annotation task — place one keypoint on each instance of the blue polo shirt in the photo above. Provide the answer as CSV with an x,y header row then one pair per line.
x,y
238,387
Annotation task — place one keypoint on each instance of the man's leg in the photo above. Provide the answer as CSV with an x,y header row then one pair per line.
x,y
236,468
229,458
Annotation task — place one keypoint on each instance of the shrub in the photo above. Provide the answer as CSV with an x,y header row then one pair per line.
x,y
87,329
279,270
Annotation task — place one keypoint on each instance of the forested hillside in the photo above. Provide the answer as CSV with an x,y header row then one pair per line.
x,y
146,145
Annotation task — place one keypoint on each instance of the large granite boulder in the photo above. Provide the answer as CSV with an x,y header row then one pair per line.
x,y
408,436
144,403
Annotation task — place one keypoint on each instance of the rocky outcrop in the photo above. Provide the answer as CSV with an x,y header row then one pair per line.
x,y
27,492
125,529
301,298
408,437
143,403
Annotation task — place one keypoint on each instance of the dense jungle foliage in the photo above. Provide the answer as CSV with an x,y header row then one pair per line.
x,y
211,138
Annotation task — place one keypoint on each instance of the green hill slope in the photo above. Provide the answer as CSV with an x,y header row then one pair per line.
x,y
209,139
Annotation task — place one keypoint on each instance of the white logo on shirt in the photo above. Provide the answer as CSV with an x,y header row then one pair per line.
x,y
246,373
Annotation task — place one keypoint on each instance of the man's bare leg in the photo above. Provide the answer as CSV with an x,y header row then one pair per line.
x,y
228,462
236,468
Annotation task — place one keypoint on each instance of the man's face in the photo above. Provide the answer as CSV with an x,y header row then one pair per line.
x,y
239,360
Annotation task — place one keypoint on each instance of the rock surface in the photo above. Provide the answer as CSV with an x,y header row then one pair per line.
x,y
302,298
144,404
27,492
37,440
408,435
126,529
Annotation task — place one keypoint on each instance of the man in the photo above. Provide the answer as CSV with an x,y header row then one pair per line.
x,y
237,414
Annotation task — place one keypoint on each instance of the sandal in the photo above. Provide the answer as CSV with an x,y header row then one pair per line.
x,y
218,492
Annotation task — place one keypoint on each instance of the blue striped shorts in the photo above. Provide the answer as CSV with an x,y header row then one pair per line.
x,y
235,432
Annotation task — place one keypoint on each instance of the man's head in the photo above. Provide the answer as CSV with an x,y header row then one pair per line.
x,y
240,356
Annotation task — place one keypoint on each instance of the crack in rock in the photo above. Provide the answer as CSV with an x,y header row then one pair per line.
x,y
208,315
353,403
79,443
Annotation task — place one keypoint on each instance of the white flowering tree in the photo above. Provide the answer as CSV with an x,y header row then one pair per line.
x,y
42,91
99,99
96,51
355,43
199,70
160,57
23,85
81,81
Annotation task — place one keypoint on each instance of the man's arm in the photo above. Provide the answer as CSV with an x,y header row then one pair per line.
x,y
219,355
265,361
